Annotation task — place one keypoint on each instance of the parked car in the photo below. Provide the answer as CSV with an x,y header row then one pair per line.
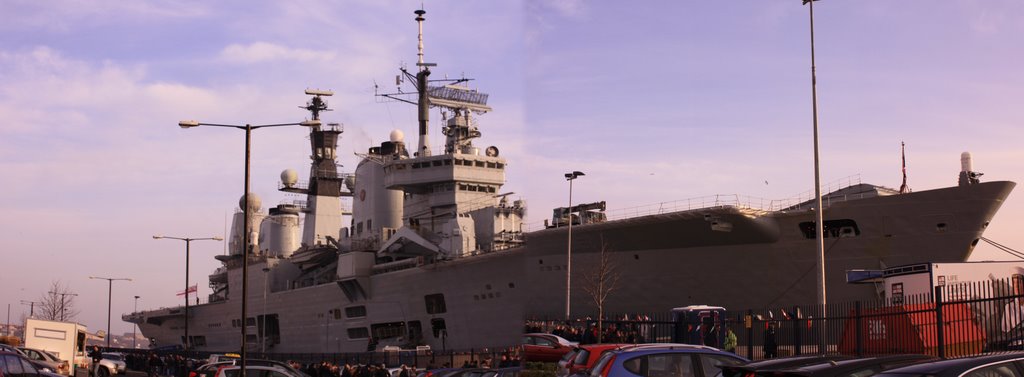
x,y
14,364
545,347
46,361
766,368
504,372
211,369
585,357
664,360
564,362
256,370
438,372
863,367
999,365
111,364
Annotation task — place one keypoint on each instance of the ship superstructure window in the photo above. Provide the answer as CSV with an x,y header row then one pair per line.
x,y
435,303
355,311
388,330
841,228
358,333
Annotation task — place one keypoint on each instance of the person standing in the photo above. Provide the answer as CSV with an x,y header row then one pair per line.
x,y
96,356
730,341
771,348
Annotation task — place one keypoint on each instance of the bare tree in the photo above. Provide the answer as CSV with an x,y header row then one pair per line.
x,y
57,304
600,281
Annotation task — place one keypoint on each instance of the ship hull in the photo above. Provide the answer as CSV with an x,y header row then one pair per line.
x,y
725,256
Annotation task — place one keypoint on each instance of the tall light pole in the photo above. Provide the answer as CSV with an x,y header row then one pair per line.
x,y
568,264
62,295
31,307
188,243
246,248
135,337
818,210
110,296
263,323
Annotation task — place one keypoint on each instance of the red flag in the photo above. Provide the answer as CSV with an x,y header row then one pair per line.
x,y
192,289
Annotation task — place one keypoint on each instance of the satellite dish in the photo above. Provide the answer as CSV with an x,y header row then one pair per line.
x,y
492,151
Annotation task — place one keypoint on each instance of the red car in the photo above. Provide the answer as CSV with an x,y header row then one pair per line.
x,y
586,356
545,347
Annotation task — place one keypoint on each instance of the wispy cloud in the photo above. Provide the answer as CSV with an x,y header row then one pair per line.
x,y
260,52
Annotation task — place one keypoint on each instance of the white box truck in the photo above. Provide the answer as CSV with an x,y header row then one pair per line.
x,y
66,340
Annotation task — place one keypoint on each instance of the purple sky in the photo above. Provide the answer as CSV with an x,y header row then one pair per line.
x,y
655,101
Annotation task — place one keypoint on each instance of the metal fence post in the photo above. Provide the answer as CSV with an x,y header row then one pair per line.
x,y
939,325
859,320
750,334
797,342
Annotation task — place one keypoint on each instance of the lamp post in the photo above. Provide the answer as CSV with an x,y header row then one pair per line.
x,y
136,325
110,295
31,307
818,210
568,264
188,243
245,214
62,295
263,323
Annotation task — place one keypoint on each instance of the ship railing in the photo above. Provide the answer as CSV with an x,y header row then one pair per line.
x,y
757,205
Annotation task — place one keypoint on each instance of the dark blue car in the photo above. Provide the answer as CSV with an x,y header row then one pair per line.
x,y
994,365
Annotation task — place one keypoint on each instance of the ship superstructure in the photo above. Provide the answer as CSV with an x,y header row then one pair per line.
x,y
419,247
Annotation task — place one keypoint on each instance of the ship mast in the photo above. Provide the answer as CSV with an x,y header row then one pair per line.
x,y
423,114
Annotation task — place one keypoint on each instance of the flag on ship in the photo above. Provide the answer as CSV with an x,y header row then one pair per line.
x,y
192,289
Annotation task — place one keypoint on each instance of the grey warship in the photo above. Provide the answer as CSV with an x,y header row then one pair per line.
x,y
421,248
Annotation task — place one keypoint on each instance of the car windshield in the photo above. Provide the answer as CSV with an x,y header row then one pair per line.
x,y
113,356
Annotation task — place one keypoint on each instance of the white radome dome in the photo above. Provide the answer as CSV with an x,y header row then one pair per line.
x,y
397,136
289,177
254,202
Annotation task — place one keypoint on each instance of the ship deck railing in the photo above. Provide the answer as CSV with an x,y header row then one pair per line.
x,y
756,205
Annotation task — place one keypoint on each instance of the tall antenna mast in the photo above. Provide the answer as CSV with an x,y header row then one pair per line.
x,y
423,102
419,23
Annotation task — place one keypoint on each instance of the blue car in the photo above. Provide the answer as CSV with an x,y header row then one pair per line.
x,y
664,360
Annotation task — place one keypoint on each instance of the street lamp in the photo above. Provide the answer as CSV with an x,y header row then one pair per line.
x,y
245,213
819,211
31,307
188,243
568,265
263,323
136,325
110,292
62,295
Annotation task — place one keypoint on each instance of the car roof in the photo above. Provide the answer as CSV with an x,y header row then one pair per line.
x,y
956,366
888,361
680,348
786,362
603,346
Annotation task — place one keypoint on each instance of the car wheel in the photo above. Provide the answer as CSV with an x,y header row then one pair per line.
x,y
104,372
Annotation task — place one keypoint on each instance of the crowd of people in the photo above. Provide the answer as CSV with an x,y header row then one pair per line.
x,y
621,329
